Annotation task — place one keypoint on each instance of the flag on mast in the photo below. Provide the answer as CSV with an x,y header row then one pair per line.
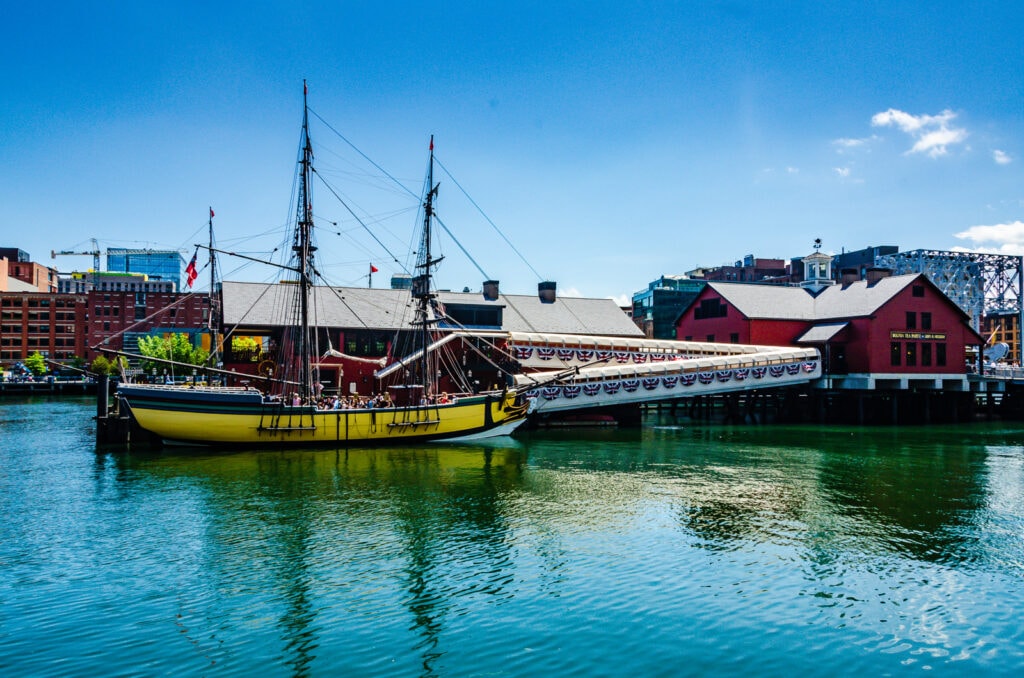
x,y
190,271
211,213
373,269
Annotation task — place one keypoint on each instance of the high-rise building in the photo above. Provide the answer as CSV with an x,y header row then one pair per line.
x,y
157,264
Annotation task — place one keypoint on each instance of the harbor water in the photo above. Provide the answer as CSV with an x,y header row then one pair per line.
x,y
667,550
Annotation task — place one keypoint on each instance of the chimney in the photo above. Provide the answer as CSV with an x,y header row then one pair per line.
x,y
876,273
848,276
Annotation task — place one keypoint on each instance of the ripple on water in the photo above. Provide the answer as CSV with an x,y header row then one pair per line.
x,y
655,553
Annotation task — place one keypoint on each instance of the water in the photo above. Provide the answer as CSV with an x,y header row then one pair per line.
x,y
664,551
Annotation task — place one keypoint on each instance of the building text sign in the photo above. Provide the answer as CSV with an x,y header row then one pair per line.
x,y
919,336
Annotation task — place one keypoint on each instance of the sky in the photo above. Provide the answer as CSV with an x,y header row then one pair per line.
x,y
609,142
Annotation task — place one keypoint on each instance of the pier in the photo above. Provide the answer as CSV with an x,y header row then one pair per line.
x,y
50,386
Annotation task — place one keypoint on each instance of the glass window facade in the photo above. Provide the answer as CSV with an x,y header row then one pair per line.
x,y
158,264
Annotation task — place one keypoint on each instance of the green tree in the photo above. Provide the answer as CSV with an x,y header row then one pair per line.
x,y
100,365
103,365
176,347
36,363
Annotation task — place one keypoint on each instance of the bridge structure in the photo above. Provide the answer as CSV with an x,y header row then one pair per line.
x,y
572,372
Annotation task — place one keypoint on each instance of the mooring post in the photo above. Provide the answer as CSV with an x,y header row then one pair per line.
x,y
102,401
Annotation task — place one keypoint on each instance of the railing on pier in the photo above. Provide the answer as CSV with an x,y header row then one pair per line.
x,y
613,371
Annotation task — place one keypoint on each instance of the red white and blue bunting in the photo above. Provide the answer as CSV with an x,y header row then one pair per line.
x,y
631,385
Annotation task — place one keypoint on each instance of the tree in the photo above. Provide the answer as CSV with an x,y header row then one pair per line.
x,y
176,347
37,363
100,366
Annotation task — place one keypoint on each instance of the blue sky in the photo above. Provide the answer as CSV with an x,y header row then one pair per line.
x,y
612,142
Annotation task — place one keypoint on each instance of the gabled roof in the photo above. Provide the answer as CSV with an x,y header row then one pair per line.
x,y
835,302
822,333
273,305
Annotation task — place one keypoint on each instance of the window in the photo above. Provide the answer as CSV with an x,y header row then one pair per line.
x,y
106,326
911,354
917,291
911,320
895,350
940,355
688,337
710,308
926,355
734,338
711,339
926,321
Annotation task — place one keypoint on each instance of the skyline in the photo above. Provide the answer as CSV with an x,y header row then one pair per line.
x,y
610,143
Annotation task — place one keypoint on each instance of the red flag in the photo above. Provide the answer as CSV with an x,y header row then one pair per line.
x,y
211,213
373,269
190,271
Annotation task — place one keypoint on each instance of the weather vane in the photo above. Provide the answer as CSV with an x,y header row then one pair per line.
x,y
817,244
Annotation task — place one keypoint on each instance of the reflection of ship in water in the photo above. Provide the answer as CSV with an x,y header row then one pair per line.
x,y
353,529
367,548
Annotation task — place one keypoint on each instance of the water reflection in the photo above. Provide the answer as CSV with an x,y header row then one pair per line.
x,y
389,559
296,522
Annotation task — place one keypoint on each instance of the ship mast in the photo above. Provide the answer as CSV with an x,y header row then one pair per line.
x,y
304,249
421,285
211,321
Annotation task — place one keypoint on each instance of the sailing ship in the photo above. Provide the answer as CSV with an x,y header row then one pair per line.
x,y
289,409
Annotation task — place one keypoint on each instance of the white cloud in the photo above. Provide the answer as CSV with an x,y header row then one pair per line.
x,y
996,238
1011,250
570,292
623,299
848,144
843,172
1001,157
792,170
932,133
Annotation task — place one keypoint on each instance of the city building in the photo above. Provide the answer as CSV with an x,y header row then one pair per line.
x,y
52,324
750,269
18,265
157,264
105,281
117,319
656,308
882,327
861,260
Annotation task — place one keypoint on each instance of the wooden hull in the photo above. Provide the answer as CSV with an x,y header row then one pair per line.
x,y
243,418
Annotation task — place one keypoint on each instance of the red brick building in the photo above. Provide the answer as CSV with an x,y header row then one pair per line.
x,y
63,326
52,324
18,266
900,325
116,319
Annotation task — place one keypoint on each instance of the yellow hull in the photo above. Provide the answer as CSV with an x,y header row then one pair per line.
x,y
179,416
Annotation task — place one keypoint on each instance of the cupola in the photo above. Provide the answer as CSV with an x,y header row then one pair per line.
x,y
817,269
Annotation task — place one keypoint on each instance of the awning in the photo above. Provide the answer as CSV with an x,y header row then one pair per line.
x,y
821,333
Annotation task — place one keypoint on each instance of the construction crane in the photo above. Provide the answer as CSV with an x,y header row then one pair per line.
x,y
95,254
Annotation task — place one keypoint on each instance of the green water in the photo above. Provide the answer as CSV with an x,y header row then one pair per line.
x,y
662,551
